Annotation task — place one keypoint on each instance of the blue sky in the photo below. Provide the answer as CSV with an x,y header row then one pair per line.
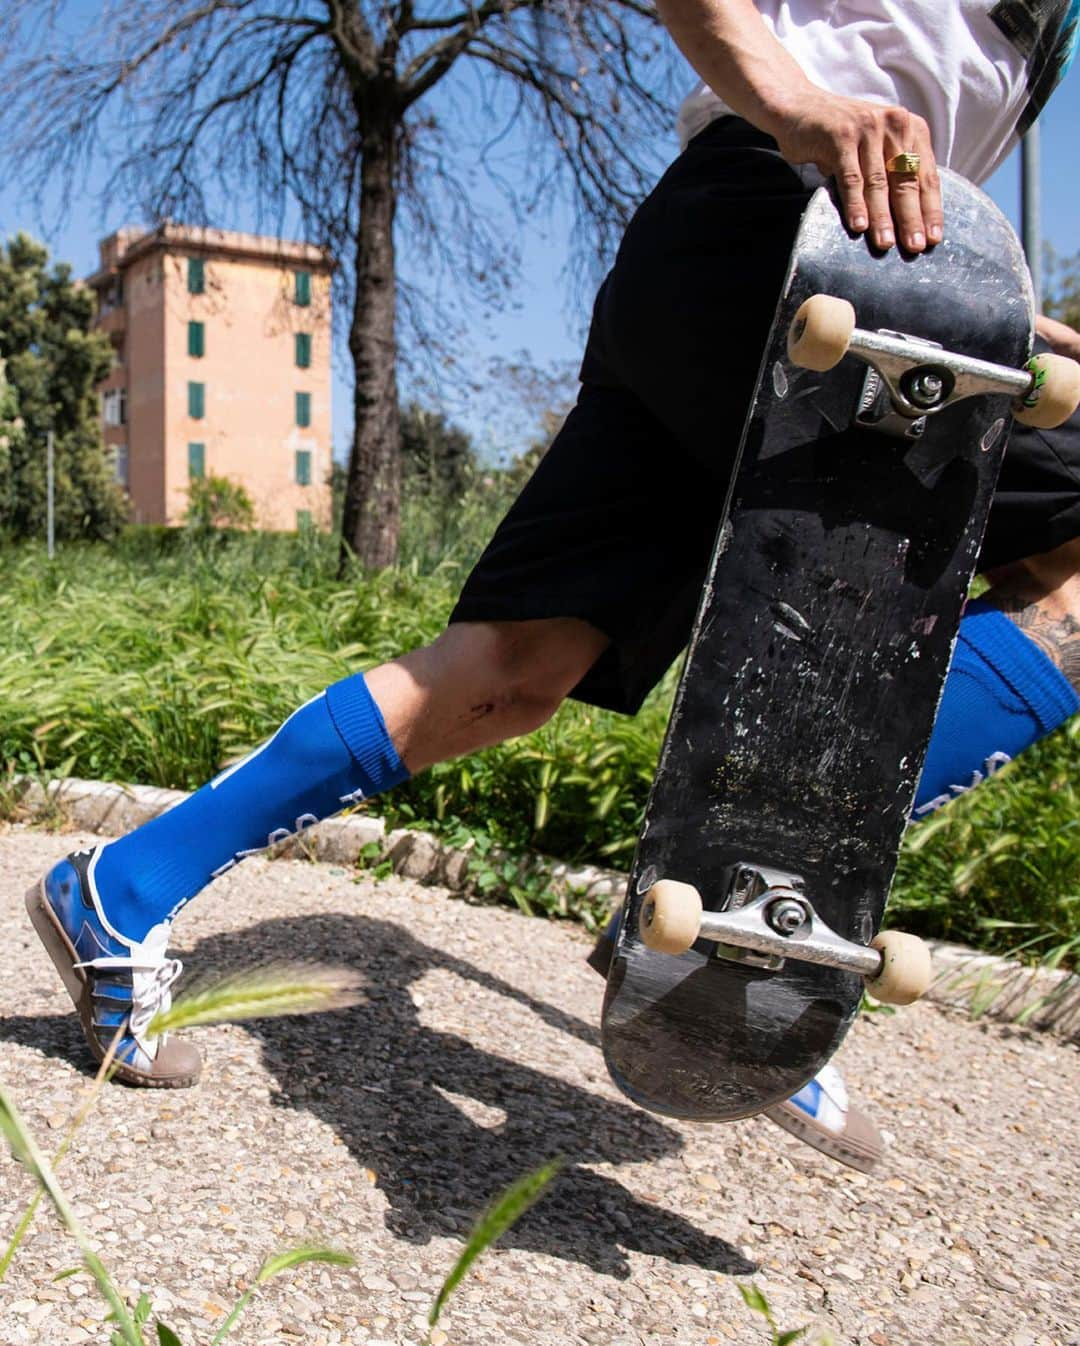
x,y
545,317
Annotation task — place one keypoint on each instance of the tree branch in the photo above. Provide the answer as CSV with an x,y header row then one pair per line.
x,y
425,70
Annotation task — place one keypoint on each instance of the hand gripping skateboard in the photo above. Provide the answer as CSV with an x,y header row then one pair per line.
x,y
821,643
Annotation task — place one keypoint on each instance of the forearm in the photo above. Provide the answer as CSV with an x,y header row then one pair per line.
x,y
730,47
1062,338
1042,596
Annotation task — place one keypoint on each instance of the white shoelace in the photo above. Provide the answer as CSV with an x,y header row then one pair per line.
x,y
152,979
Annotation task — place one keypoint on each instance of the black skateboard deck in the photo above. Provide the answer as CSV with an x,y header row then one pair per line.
x,y
816,663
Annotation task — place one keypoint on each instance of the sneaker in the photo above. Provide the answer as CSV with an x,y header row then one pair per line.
x,y
603,951
111,981
821,1115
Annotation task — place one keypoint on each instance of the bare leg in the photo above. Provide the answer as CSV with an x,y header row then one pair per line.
x,y
481,683
104,914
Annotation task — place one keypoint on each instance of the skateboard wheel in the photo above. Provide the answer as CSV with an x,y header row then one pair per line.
x,y
1055,392
820,332
670,916
906,972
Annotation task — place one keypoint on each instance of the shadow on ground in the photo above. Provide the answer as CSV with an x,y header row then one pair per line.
x,y
399,1094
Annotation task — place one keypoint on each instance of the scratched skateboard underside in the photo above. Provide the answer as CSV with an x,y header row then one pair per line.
x,y
816,664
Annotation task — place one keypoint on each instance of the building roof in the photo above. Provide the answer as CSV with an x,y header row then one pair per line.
x,y
119,250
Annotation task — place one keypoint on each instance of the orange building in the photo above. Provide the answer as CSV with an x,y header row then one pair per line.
x,y
222,368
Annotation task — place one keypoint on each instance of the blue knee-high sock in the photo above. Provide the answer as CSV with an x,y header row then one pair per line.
x,y
1001,696
332,752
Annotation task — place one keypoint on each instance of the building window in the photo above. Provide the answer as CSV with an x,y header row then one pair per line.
x,y
196,401
120,464
303,467
196,339
112,296
303,409
114,406
196,460
196,275
303,288
303,520
303,350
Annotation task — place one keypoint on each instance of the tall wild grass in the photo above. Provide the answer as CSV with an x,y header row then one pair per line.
x,y
162,658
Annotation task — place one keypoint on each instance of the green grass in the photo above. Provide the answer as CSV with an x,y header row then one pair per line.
x,y
501,1215
1000,867
158,661
257,993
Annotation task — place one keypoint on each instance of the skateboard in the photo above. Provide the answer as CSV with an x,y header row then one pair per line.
x,y
821,643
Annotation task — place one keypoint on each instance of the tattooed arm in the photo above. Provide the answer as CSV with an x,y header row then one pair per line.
x,y
1042,596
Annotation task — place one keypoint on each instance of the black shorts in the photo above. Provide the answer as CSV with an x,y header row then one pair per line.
x,y
616,526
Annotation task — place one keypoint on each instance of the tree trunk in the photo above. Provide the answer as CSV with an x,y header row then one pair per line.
x,y
372,515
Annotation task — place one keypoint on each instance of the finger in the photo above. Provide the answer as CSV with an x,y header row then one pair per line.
x,y
876,190
905,198
930,192
849,186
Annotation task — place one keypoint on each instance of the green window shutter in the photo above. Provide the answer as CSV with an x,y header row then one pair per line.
x,y
303,350
196,339
303,288
196,275
303,409
303,520
196,400
196,460
303,467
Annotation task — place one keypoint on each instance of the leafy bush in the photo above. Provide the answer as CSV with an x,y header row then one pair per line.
x,y
217,502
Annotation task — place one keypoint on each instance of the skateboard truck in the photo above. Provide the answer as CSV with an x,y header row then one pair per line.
x,y
747,884
767,919
910,379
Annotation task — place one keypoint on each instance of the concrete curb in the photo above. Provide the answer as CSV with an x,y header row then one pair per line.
x,y
965,979
111,810
982,983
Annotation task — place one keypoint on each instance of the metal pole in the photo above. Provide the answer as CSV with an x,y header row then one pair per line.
x,y
1031,210
50,511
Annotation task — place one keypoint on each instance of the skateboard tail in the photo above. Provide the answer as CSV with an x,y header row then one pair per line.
x,y
654,1002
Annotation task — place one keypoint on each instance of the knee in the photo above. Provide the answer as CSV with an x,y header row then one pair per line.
x,y
530,678
527,668
1056,571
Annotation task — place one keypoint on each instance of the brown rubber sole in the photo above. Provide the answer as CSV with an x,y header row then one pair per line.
x,y
77,984
855,1149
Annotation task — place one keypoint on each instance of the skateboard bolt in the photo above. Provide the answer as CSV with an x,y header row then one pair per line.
x,y
786,916
927,389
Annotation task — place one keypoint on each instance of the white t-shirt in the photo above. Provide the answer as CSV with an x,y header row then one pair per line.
x,y
978,71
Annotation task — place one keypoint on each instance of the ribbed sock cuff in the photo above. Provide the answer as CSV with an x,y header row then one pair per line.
x,y
1019,662
360,724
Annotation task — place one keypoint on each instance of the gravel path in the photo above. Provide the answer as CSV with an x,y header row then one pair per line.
x,y
384,1128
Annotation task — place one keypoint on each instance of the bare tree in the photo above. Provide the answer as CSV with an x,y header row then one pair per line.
x,y
341,110
1063,285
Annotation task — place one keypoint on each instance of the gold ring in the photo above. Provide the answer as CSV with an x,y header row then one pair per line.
x,y
908,162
